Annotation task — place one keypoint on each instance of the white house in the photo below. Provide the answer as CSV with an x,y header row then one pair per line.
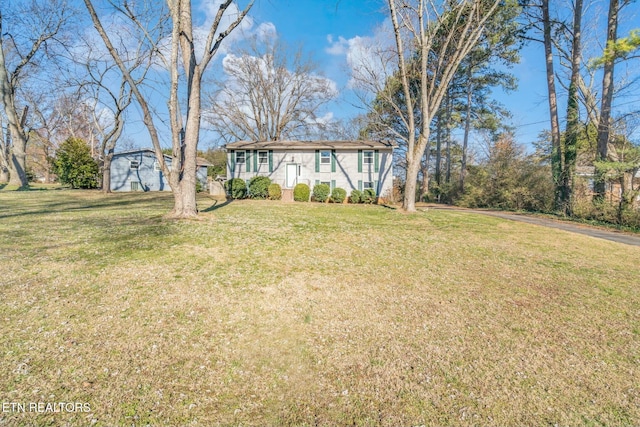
x,y
346,164
139,170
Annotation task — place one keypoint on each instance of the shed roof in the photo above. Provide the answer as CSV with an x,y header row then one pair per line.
x,y
199,160
306,145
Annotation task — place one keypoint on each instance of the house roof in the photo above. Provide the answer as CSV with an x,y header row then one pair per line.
x,y
305,145
585,170
199,160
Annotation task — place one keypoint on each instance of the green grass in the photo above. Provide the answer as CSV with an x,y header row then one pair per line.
x,y
268,313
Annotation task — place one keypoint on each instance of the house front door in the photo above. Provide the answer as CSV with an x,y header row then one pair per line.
x,y
292,175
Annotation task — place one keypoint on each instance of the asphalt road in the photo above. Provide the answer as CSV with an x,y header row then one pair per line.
x,y
598,233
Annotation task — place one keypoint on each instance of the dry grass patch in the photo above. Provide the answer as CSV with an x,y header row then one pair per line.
x,y
264,313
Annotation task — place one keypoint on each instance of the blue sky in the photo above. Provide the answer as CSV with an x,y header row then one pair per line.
x,y
333,31
322,25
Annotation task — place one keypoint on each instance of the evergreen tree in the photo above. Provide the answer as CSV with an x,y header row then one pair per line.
x,y
74,165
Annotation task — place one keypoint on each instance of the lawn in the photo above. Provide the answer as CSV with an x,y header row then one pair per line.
x,y
268,313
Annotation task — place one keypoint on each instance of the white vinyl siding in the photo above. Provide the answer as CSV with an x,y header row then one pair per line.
x,y
345,175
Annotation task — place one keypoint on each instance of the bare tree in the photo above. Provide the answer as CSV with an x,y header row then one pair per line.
x,y
53,118
185,125
34,27
573,111
442,37
4,153
557,158
269,94
100,81
609,61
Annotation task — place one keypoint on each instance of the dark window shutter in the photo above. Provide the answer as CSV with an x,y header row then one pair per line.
x,y
255,161
360,162
376,159
333,160
232,161
317,160
247,160
359,185
270,161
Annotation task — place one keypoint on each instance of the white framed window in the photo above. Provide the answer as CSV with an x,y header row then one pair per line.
x,y
135,186
367,184
134,165
367,157
325,157
240,157
263,157
156,166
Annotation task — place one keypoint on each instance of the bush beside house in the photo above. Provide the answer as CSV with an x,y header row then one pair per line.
x,y
338,195
369,196
236,188
321,192
275,191
259,187
301,193
356,196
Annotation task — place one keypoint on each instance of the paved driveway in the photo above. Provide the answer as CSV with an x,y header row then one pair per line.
x,y
615,236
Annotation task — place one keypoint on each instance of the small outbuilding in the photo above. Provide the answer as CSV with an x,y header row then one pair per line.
x,y
139,170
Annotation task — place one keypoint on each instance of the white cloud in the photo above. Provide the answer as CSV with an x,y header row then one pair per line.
x,y
324,120
210,10
245,30
266,31
369,58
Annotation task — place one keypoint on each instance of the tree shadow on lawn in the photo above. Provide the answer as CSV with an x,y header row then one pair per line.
x,y
217,205
72,205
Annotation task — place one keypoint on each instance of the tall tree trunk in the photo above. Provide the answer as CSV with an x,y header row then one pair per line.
x,y
4,155
191,137
18,152
424,188
556,149
184,133
449,107
413,168
468,20
467,130
573,114
106,173
607,99
438,169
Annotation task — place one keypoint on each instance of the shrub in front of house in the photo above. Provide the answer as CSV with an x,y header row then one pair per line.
x,y
275,191
338,195
236,188
301,193
356,196
259,187
321,192
369,196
